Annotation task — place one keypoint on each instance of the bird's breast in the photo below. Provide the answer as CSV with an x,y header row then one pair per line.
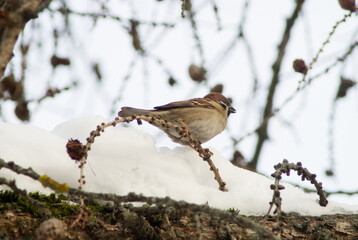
x,y
204,124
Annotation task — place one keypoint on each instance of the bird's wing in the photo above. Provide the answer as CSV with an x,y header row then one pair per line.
x,y
195,102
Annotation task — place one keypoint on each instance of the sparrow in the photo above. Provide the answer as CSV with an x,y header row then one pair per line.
x,y
204,117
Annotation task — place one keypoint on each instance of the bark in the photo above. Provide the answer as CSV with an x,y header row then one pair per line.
x,y
14,16
189,222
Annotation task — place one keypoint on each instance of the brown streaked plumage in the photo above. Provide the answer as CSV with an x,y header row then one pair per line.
x,y
203,117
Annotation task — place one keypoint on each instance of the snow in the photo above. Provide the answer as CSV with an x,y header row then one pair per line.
x,y
124,160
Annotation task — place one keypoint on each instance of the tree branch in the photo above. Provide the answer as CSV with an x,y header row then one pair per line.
x,y
276,67
15,22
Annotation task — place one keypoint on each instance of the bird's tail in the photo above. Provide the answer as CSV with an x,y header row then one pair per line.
x,y
128,111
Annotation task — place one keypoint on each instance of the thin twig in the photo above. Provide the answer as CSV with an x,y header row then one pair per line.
x,y
197,39
284,168
314,60
107,15
205,154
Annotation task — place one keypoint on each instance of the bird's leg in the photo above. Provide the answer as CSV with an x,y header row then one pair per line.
x,y
185,126
186,133
208,151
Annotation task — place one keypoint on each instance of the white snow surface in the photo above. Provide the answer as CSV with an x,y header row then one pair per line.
x,y
124,160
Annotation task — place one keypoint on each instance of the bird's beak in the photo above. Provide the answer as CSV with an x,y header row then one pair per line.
x,y
231,110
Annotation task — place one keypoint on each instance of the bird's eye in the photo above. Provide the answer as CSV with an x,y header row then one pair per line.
x,y
223,104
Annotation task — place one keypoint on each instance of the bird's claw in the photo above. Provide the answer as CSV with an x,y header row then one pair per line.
x,y
208,151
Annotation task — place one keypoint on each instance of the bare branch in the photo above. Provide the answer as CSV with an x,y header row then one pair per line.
x,y
16,23
276,67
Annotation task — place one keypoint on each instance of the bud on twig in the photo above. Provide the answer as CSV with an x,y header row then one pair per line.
x,y
197,73
348,5
75,149
300,66
344,86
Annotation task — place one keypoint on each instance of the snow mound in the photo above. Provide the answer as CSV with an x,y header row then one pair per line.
x,y
124,160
